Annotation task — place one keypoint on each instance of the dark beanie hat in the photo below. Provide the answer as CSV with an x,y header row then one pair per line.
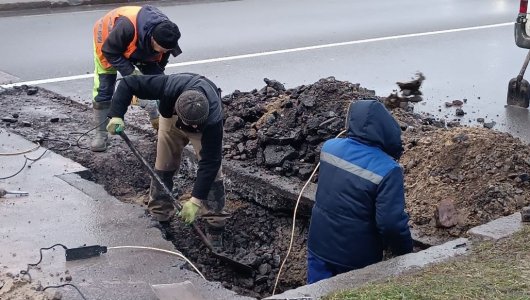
x,y
192,107
167,35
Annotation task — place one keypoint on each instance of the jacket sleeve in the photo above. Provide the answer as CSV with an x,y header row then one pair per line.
x,y
142,86
211,158
391,218
114,47
164,60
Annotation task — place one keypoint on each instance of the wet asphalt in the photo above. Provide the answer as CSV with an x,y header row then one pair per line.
x,y
475,65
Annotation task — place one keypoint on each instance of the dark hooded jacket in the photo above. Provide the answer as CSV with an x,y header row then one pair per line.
x,y
122,35
167,88
360,201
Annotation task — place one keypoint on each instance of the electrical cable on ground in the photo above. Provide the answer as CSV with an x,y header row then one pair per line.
x,y
161,250
68,146
26,272
82,134
294,222
26,159
21,152
63,285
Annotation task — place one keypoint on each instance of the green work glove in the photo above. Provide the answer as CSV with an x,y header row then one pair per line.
x,y
116,125
189,210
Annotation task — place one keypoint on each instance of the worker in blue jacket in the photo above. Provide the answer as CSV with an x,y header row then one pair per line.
x,y
359,208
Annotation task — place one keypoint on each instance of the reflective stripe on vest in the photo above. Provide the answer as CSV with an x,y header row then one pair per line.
x,y
104,25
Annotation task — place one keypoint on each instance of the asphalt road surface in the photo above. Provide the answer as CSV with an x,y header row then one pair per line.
x,y
465,49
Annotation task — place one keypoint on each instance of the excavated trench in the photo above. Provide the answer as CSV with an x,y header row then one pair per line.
x,y
272,142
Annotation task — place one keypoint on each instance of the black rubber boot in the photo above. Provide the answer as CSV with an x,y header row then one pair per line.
x,y
101,110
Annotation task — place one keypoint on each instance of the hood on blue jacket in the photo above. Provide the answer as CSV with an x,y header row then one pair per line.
x,y
369,122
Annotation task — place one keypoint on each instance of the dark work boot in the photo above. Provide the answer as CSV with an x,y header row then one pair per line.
x,y
160,205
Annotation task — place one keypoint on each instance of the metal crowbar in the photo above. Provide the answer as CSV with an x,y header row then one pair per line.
x,y
240,267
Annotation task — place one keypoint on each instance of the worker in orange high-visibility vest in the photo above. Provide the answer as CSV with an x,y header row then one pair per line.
x,y
125,38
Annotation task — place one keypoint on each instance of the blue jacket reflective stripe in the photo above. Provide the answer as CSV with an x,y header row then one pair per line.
x,y
359,208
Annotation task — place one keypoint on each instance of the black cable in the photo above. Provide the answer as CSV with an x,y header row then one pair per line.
x,y
26,272
69,145
84,134
25,162
35,159
63,285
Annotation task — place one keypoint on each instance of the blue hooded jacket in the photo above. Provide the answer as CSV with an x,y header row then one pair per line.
x,y
360,200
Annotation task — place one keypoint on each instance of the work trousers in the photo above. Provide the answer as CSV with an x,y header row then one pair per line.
x,y
171,143
317,269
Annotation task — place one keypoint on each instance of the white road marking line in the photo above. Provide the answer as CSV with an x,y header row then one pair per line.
x,y
275,52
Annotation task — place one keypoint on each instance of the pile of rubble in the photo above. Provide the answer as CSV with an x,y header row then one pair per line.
x,y
282,130
463,177
456,177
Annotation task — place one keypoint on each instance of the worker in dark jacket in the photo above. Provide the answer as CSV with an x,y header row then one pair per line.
x,y
126,37
360,201
191,111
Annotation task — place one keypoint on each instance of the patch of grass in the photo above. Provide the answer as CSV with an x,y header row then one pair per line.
x,y
493,270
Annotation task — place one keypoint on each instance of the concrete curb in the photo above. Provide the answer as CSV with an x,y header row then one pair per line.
x,y
385,269
494,230
498,229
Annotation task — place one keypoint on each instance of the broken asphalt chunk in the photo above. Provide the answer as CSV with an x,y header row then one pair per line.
x,y
9,120
32,91
489,125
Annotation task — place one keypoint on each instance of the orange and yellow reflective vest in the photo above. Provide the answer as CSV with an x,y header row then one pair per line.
x,y
104,26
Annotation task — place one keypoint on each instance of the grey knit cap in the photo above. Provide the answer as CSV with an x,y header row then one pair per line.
x,y
192,107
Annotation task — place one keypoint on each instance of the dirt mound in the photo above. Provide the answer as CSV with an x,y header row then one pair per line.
x,y
484,173
15,288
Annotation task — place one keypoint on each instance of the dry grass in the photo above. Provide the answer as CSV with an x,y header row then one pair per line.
x,y
498,270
